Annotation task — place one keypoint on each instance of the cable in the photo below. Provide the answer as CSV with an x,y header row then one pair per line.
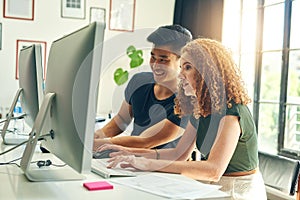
x,y
42,163
12,118
4,120
18,145
42,137
12,162
8,130
15,131
20,116
56,165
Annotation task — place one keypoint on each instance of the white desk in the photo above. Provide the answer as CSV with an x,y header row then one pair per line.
x,y
15,186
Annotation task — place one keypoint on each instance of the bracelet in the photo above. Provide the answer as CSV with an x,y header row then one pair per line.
x,y
157,154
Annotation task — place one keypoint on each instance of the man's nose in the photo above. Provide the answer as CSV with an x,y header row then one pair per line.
x,y
180,75
156,64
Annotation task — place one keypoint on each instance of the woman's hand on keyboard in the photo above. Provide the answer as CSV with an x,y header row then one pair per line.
x,y
120,150
131,161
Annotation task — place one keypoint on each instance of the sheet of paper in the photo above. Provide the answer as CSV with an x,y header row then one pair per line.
x,y
174,187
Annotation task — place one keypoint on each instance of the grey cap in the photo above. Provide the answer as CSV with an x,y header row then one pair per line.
x,y
173,36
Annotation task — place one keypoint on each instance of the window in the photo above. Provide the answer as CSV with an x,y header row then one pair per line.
x,y
266,45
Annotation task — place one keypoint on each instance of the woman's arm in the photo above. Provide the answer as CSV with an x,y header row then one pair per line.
x,y
222,150
209,170
182,151
184,147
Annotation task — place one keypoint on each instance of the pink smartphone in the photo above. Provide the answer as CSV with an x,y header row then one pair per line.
x,y
98,185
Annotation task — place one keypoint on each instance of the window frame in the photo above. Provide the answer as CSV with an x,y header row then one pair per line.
x,y
281,104
284,75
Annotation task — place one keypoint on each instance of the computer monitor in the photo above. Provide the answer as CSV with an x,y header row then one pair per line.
x,y
73,73
30,93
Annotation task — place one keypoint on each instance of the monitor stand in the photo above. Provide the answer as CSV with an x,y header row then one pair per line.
x,y
41,175
44,174
12,138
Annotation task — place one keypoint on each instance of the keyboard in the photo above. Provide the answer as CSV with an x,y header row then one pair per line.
x,y
99,167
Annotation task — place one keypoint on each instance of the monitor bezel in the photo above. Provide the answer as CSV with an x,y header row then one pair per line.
x,y
47,110
30,92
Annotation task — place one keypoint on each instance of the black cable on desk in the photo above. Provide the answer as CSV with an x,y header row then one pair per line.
x,y
12,162
16,146
40,162
42,137
2,121
12,118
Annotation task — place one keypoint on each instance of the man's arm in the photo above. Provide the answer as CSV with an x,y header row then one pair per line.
x,y
158,134
117,124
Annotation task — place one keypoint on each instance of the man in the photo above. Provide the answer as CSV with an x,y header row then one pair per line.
x,y
149,98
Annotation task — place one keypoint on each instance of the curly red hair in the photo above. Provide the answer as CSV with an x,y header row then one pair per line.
x,y
218,80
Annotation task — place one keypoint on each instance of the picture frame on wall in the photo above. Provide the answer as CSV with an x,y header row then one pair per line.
x,y
73,9
97,14
121,15
18,9
20,44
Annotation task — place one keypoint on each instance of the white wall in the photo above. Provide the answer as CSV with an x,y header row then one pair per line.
x,y
48,26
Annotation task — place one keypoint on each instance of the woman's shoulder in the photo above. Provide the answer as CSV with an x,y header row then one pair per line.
x,y
236,109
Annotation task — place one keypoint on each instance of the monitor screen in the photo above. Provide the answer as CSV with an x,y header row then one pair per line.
x,y
30,93
31,81
73,73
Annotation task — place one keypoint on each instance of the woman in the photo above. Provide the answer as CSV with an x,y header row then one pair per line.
x,y
221,126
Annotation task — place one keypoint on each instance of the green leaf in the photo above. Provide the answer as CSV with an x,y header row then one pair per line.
x,y
120,76
139,52
131,49
137,61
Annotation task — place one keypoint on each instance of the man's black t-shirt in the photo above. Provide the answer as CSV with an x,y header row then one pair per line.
x,y
147,110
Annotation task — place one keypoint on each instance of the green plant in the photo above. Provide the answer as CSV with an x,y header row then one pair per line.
x,y
136,60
